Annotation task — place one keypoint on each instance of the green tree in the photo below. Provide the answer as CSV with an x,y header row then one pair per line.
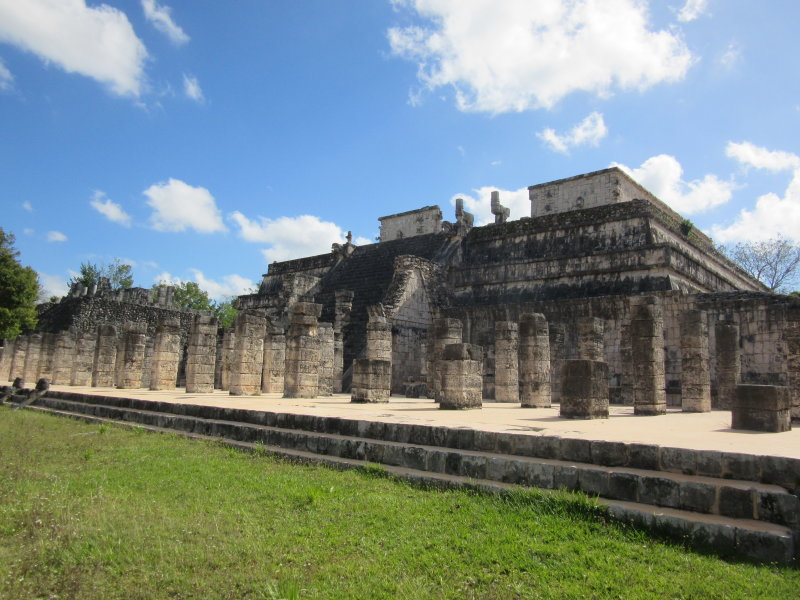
x,y
188,294
118,274
19,288
225,312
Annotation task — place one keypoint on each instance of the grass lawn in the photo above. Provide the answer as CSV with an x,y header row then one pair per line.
x,y
96,512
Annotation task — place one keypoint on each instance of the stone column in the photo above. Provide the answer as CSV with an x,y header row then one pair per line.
x,y
558,354
274,361
729,365
506,361
791,336
372,376
46,357
105,357
461,382
226,358
695,372
445,331
63,358
379,335
85,345
248,353
534,361
590,338
7,359
166,355
201,354
17,368
326,357
762,408
344,306
647,352
584,389
301,379
134,340
32,356
626,365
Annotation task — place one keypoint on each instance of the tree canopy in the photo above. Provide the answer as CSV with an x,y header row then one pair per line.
x,y
773,262
19,289
190,295
118,274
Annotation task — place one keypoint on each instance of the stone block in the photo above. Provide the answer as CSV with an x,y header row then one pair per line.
x,y
623,486
762,408
584,389
659,491
610,454
575,450
737,502
697,496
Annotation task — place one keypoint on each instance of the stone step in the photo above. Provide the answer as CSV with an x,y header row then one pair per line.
x,y
756,540
737,499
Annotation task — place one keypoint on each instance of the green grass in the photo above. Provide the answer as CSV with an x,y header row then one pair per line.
x,y
96,512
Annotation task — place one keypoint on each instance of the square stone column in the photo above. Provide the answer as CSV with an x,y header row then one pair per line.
x,y
344,306
201,355
728,361
301,379
105,357
247,361
32,356
63,357
166,355
791,336
762,408
695,370
134,342
326,357
274,361
17,368
590,338
584,389
506,361
647,353
7,359
226,358
444,332
85,344
461,384
47,357
534,361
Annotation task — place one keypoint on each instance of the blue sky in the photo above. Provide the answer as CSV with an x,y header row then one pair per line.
x,y
201,140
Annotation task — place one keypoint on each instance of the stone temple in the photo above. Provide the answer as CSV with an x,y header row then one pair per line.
x,y
600,283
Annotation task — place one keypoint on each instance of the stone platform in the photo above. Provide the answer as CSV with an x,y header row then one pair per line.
x,y
687,474
694,431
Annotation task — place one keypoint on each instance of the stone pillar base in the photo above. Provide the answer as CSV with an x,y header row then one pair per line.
x,y
762,408
372,380
584,389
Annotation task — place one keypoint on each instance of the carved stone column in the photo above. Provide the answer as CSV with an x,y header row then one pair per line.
x,y
32,356
506,361
302,352
344,306
445,331
248,353
584,389
274,361
534,361
134,340
201,355
461,381
226,358
64,357
647,352
166,355
729,365
695,371
590,338
105,357
85,345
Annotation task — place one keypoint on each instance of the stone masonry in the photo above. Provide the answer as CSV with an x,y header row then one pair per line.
x,y
302,352
762,408
506,360
247,361
274,361
534,361
729,366
695,371
63,357
460,373
590,338
326,358
134,342
166,354
647,352
201,355
105,357
85,344
445,332
584,389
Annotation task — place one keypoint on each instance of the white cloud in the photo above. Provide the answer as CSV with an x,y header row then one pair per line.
x,y
28,231
731,56
289,237
6,78
109,209
160,18
56,236
773,215
179,206
479,204
53,285
98,42
663,176
588,132
532,54
191,87
692,10
27,206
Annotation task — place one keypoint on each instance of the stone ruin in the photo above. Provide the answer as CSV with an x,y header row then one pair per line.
x,y
597,297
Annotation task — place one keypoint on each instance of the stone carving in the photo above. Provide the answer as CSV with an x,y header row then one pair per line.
x,y
201,355
695,372
534,361
272,377
729,364
506,361
302,352
247,360
500,212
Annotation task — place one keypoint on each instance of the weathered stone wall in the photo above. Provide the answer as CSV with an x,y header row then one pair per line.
x,y
584,191
411,223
